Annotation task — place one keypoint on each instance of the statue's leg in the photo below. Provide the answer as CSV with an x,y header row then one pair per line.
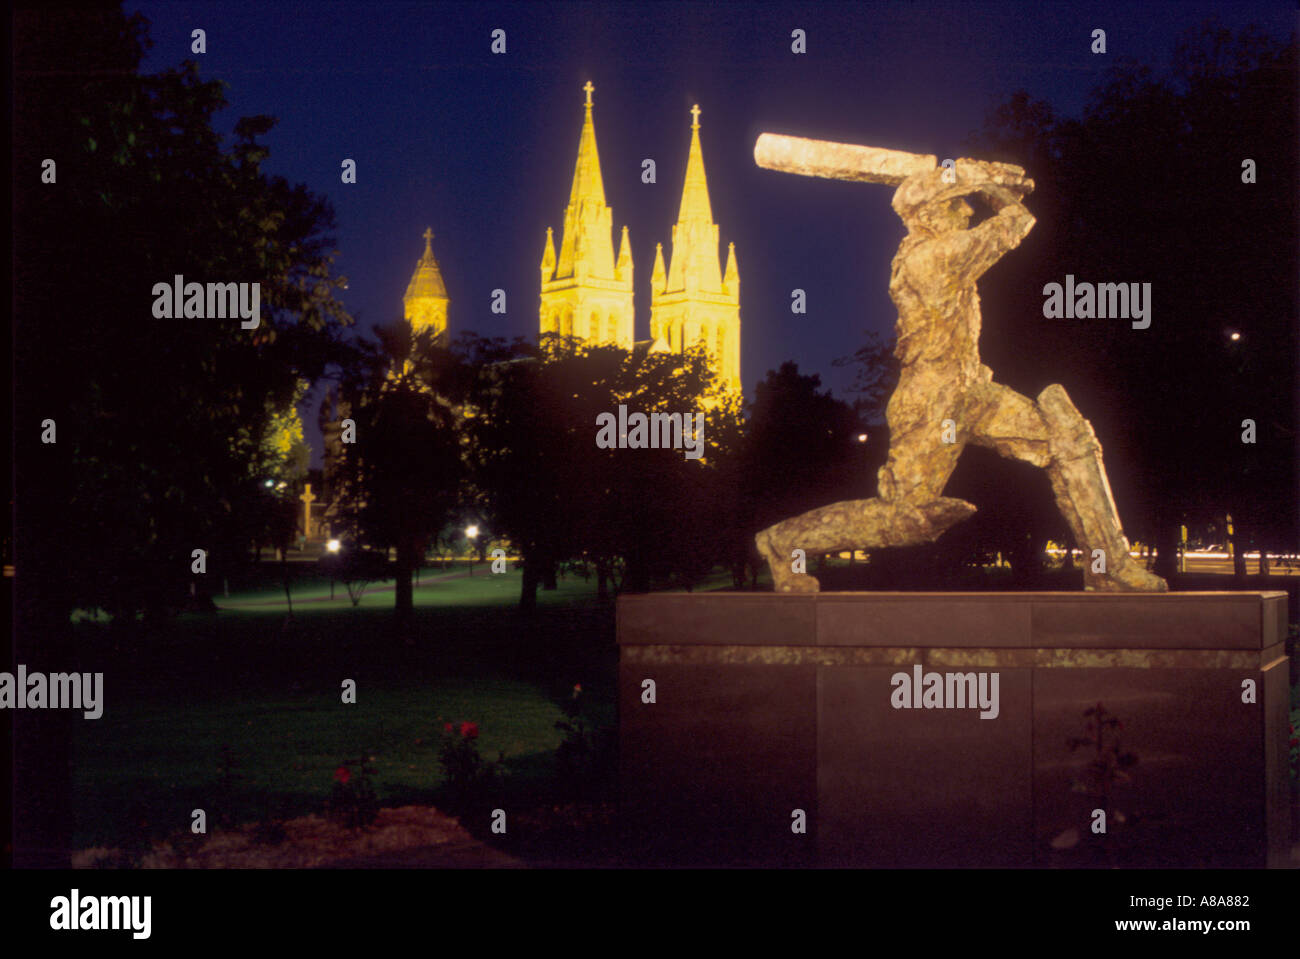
x,y
1054,435
855,524
909,511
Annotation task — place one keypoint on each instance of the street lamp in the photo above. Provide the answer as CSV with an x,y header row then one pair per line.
x,y
471,533
333,546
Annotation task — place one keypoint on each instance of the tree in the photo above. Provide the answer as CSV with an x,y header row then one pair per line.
x,y
875,377
156,420
278,469
160,420
283,454
557,495
654,512
402,477
523,451
802,448
1220,254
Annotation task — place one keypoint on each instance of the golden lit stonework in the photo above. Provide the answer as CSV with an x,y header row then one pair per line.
x,y
695,300
585,291
426,299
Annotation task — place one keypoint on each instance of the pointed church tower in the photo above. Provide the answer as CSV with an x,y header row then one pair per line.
x,y
426,299
585,292
694,301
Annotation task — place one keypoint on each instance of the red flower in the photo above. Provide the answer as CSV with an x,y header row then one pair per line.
x,y
469,730
446,728
343,774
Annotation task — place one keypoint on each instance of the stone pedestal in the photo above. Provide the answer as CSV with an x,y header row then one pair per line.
x,y
767,704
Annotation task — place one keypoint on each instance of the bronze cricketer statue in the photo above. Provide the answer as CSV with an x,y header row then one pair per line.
x,y
946,397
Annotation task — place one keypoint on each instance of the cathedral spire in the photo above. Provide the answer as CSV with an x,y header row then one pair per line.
x,y
731,279
586,248
694,263
695,195
548,256
693,302
586,291
624,267
588,187
426,299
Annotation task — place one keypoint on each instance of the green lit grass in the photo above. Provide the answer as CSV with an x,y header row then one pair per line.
x,y
143,773
248,684
311,593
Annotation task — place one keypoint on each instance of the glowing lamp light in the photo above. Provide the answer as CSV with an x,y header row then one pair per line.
x,y
471,531
862,437
1234,336
333,546
270,483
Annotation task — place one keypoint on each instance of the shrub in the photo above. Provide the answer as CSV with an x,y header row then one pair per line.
x,y
576,751
356,569
353,803
467,772
1109,765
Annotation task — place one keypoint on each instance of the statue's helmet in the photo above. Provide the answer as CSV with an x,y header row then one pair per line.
x,y
926,201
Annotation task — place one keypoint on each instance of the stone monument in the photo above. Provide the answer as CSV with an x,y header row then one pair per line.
x,y
946,397
937,729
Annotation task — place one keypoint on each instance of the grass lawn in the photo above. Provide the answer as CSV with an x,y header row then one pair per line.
x,y
239,713
243,761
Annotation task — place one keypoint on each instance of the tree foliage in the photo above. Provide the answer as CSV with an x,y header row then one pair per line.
x,y
402,478
641,516
163,423
1147,186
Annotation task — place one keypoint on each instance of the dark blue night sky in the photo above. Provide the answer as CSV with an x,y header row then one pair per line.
x,y
481,147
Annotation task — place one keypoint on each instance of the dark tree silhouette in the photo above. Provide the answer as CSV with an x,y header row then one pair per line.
x,y
801,448
402,477
157,421
160,420
1148,187
558,496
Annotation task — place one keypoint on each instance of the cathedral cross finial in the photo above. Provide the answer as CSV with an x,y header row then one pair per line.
x,y
589,88
695,117
428,241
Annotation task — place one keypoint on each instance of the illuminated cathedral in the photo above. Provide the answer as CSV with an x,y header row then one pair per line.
x,y
586,292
